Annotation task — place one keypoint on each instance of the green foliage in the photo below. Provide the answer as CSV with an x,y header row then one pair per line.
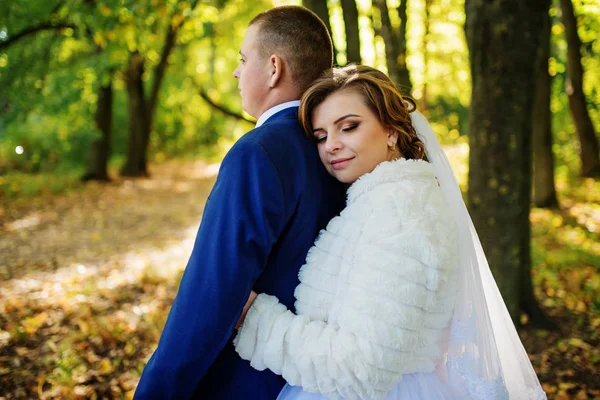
x,y
437,51
50,79
449,119
566,144
20,185
48,106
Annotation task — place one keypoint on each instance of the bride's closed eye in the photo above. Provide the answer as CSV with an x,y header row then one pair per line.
x,y
351,127
320,138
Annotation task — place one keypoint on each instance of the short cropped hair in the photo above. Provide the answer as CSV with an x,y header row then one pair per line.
x,y
380,95
300,38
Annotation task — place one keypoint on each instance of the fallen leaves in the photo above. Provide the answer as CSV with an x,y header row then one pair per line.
x,y
87,288
83,324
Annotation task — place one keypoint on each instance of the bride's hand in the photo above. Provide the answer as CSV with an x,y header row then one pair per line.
x,y
251,299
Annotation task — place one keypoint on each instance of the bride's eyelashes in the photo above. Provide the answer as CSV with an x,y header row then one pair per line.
x,y
351,127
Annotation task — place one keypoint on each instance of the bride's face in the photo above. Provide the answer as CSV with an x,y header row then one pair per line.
x,y
350,138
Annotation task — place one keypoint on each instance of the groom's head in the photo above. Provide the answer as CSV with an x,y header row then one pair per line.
x,y
285,49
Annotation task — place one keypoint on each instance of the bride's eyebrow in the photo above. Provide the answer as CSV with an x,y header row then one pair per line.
x,y
344,117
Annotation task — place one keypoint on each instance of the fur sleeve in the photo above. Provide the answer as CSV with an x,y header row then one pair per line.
x,y
312,354
390,311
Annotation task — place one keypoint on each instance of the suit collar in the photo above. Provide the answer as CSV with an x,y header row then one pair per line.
x,y
277,110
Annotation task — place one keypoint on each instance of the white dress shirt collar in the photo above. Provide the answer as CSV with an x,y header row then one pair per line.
x,y
274,110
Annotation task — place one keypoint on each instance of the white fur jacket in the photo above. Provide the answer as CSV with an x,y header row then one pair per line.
x,y
376,294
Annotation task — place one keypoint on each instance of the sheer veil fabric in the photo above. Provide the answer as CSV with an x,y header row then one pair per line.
x,y
486,359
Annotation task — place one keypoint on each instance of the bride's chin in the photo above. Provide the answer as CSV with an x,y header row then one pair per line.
x,y
345,178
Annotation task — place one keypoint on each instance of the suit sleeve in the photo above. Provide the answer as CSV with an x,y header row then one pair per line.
x,y
381,319
242,220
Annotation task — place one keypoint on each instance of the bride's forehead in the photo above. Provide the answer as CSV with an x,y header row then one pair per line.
x,y
340,100
335,107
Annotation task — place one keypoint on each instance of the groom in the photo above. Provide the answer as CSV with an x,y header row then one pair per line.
x,y
270,200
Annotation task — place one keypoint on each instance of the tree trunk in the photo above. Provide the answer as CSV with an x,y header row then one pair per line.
x,y
590,161
544,192
160,69
392,47
395,46
503,62
390,40
210,135
403,73
350,12
135,164
424,102
376,26
158,76
320,8
100,151
141,111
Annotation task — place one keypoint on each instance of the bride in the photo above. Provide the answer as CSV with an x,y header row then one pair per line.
x,y
396,299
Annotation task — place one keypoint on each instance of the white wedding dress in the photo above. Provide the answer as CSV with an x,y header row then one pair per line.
x,y
417,386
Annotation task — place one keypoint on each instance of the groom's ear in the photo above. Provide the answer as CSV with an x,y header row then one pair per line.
x,y
276,65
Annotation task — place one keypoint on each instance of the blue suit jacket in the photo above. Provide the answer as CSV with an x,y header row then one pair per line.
x,y
270,200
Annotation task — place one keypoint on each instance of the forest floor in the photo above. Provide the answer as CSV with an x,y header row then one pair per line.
x,y
87,278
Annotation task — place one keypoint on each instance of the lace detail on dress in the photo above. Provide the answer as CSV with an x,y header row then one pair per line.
x,y
465,375
477,388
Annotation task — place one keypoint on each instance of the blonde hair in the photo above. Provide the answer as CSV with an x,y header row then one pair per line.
x,y
380,95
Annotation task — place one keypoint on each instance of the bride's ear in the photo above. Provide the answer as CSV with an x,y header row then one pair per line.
x,y
276,65
392,137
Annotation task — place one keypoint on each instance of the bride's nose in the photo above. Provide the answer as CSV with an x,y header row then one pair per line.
x,y
333,143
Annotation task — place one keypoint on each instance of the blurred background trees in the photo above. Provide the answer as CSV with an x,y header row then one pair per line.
x,y
85,83
97,88
93,81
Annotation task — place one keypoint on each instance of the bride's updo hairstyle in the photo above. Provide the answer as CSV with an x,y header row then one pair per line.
x,y
379,94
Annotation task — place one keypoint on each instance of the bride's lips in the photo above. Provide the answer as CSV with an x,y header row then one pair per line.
x,y
341,162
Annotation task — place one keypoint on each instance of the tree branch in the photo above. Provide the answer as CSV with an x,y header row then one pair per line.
x,y
44,26
222,109
159,70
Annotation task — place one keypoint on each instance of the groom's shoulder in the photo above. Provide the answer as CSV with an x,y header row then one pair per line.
x,y
281,129
281,136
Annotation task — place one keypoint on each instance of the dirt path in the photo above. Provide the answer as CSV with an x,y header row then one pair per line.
x,y
90,226
86,279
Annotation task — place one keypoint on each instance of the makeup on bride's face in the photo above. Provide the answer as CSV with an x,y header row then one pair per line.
x,y
350,138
